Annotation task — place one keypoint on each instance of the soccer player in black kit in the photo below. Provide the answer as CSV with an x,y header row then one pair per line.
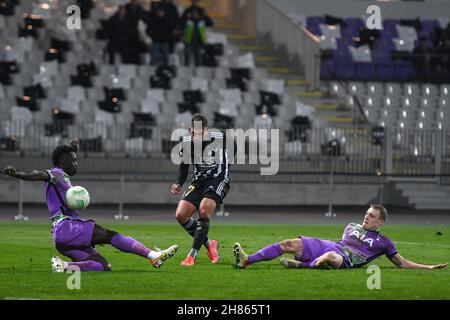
x,y
210,184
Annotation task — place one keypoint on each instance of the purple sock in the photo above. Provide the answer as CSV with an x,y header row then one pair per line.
x,y
268,253
127,244
88,265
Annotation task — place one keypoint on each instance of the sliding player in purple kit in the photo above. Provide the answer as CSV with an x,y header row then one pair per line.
x,y
73,236
360,244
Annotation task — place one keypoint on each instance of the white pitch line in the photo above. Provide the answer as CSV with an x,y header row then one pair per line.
x,y
413,243
18,298
422,243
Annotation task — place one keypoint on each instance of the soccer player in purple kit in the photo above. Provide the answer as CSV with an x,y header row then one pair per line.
x,y
360,244
73,236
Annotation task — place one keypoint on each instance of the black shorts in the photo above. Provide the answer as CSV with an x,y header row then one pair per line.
x,y
215,189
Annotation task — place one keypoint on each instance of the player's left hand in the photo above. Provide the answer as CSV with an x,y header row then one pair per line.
x,y
439,266
75,143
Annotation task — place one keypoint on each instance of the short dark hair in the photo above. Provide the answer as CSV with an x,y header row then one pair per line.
x,y
383,211
197,118
60,151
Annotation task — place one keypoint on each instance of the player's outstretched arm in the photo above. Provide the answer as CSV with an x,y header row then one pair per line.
x,y
34,175
401,262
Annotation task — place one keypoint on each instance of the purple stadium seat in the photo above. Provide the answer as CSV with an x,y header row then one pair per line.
x,y
404,70
327,70
345,69
390,27
383,68
313,23
364,71
429,29
354,22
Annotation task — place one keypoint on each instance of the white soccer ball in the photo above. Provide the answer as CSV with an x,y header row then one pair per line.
x,y
77,198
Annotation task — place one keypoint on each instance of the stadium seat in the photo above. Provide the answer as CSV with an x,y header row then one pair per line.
x,y
445,91
76,93
409,102
356,88
104,117
371,102
337,90
199,84
218,83
393,89
425,120
112,146
228,108
127,70
231,95
156,94
150,106
273,85
70,106
411,89
181,84
134,146
444,103
204,73
388,118
430,90
146,71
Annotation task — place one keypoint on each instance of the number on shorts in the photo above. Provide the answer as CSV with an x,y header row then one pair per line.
x,y
189,190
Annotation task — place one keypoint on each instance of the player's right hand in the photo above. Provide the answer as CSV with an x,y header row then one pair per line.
x,y
9,171
175,189
439,266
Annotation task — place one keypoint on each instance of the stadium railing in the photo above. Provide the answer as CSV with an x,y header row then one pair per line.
x,y
297,40
300,149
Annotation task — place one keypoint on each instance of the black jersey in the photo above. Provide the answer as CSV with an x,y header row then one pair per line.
x,y
211,163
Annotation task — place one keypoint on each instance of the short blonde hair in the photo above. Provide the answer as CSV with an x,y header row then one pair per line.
x,y
383,211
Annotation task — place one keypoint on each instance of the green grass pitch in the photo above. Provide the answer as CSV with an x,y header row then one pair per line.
x,y
26,249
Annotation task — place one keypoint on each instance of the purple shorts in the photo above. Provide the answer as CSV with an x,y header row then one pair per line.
x,y
313,248
74,233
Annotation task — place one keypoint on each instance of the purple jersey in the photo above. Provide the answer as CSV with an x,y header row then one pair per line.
x,y
60,181
362,246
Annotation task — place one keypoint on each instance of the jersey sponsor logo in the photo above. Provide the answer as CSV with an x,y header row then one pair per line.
x,y
362,236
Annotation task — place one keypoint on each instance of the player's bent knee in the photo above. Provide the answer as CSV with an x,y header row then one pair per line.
x,y
331,260
204,212
291,245
182,215
207,208
184,212
333,256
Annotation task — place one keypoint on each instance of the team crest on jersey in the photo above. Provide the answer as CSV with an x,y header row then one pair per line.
x,y
67,179
210,157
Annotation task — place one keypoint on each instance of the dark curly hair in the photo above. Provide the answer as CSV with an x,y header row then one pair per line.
x,y
199,118
59,151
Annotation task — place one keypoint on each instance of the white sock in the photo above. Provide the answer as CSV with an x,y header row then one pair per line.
x,y
193,253
154,254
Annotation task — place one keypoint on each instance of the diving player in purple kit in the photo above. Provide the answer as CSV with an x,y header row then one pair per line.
x,y
359,245
73,236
